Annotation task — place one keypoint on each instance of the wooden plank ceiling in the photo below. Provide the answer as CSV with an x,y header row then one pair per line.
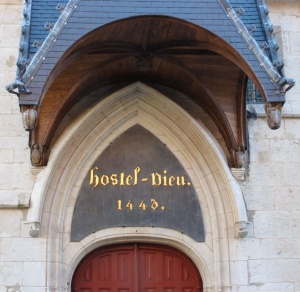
x,y
153,50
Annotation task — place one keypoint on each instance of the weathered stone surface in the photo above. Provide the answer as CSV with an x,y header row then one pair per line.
x,y
244,249
276,271
239,275
286,151
6,156
291,174
10,273
280,248
16,177
9,34
257,197
10,223
17,199
260,130
23,249
296,223
11,126
272,287
5,103
34,274
285,198
267,174
272,224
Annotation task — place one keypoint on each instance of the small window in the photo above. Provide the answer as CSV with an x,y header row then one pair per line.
x,y
253,95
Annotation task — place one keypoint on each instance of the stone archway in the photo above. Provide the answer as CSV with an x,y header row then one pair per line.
x,y
56,190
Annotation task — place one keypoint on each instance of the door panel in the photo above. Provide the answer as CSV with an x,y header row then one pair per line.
x,y
136,268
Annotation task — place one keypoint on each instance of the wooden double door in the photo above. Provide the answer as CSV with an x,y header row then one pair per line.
x,y
136,268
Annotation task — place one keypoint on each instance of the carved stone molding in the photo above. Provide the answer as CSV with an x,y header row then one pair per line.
x,y
35,171
14,200
218,289
242,228
34,228
58,289
238,155
238,173
273,113
36,155
29,117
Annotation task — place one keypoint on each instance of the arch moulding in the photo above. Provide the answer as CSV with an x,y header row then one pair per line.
x,y
57,186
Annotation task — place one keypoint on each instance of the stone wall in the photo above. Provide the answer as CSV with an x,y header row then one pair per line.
x,y
15,178
272,188
268,260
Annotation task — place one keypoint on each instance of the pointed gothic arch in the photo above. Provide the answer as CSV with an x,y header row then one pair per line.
x,y
56,189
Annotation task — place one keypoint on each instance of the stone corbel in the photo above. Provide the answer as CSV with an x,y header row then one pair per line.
x,y
36,156
238,155
242,228
29,117
237,162
273,113
34,228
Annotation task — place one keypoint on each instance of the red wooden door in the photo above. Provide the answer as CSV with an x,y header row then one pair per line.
x,y
136,268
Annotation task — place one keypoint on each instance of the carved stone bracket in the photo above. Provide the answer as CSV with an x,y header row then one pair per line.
x,y
29,116
273,113
36,156
34,228
238,173
238,154
242,228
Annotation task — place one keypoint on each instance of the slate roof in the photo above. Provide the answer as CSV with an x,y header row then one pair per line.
x,y
43,11
82,16
250,17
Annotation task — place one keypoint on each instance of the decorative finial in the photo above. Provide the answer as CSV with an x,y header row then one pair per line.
x,y
60,7
49,25
252,28
37,44
239,11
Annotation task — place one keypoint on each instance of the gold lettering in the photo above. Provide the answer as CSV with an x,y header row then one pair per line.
x,y
128,179
154,204
129,205
180,181
171,179
119,205
165,178
122,175
143,205
154,176
94,176
114,180
106,178
136,171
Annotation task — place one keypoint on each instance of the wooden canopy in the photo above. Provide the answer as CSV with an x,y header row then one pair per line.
x,y
157,51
